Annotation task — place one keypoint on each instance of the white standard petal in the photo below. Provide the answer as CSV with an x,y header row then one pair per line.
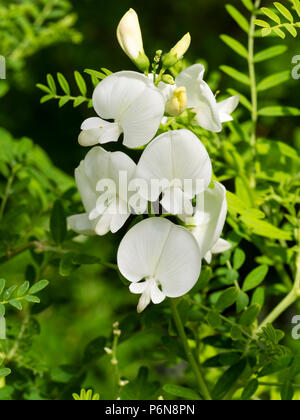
x,y
210,221
96,130
176,155
81,224
200,97
136,105
227,107
221,246
164,254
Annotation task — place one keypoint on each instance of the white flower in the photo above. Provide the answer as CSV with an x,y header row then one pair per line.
x,y
160,259
178,51
180,162
105,211
208,222
133,102
130,39
210,114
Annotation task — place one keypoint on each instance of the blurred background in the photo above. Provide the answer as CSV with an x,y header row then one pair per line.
x,y
86,303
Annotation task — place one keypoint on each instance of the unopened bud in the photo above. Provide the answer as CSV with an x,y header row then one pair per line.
x,y
114,362
167,78
117,332
177,52
123,383
108,350
178,103
130,39
116,324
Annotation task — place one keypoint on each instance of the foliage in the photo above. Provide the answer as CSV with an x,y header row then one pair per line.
x,y
229,315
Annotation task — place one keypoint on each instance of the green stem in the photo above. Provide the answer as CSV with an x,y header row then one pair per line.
x,y
198,375
6,193
254,96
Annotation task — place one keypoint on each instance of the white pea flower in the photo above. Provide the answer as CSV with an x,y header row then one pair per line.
x,y
133,102
98,179
130,39
207,224
210,114
180,164
160,260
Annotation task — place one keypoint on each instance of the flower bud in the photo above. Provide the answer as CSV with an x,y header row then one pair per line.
x,y
108,350
130,39
167,78
178,103
177,52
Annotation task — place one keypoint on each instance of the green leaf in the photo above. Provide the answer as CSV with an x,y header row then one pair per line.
x,y
44,88
255,278
250,390
271,15
32,299
248,4
79,101
63,101
235,74
23,289
58,223
181,392
239,257
250,316
258,297
242,301
279,111
51,84
284,11
265,229
9,292
227,299
2,285
235,45
16,304
287,391
2,309
228,379
238,17
292,30
262,23
80,83
296,4
38,287
214,319
279,32
4,372
64,84
274,80
270,53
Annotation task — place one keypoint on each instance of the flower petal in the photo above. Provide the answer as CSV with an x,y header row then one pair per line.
x,y
221,246
157,296
80,223
176,155
158,249
225,108
200,97
210,222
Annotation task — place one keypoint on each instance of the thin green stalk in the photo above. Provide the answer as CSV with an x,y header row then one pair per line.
x,y
198,375
252,75
6,193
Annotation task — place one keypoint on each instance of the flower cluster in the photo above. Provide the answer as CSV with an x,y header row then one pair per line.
x,y
158,257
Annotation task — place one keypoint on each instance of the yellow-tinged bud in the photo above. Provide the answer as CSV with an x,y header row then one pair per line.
x,y
178,51
130,39
167,78
178,103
